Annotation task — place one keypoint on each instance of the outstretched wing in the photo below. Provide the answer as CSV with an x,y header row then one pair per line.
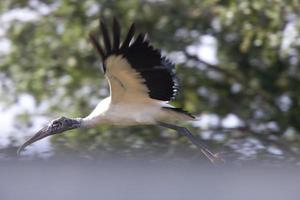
x,y
135,70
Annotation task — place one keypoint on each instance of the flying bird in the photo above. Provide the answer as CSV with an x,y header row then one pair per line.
x,y
142,83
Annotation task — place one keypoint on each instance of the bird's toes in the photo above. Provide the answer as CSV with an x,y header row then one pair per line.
x,y
218,158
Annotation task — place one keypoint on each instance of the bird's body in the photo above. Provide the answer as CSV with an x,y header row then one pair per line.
x,y
125,113
142,82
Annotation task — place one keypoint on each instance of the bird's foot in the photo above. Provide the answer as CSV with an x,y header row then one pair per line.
x,y
214,158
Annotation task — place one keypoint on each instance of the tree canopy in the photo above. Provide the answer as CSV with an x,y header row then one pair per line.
x,y
254,76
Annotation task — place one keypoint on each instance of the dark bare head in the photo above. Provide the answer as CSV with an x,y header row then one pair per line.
x,y
56,126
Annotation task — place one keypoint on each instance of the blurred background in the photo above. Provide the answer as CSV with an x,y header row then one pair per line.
x,y
237,61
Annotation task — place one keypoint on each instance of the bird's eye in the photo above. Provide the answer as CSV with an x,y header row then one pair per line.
x,y
56,125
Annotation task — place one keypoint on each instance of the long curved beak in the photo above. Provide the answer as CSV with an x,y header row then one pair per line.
x,y
44,132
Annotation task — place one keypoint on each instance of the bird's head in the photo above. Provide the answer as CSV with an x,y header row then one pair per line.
x,y
56,126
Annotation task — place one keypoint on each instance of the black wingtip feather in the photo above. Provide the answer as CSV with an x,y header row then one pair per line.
x,y
106,38
180,110
96,44
129,37
116,35
140,39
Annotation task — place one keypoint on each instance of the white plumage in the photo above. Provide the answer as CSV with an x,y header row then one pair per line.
x,y
134,113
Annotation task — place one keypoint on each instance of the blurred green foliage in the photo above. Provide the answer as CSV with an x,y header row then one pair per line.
x,y
257,75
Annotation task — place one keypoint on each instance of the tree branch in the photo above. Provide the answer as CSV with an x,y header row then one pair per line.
x,y
233,76
213,67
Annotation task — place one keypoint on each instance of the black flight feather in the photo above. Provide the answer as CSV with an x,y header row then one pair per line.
x,y
116,33
139,39
106,39
180,110
128,37
157,71
96,44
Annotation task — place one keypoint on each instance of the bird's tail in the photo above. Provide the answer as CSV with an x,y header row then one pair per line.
x,y
181,113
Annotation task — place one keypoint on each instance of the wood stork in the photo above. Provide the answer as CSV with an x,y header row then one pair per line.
x,y
142,83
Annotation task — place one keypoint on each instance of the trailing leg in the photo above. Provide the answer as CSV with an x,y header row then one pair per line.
x,y
184,131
